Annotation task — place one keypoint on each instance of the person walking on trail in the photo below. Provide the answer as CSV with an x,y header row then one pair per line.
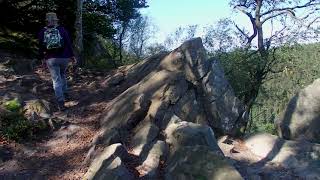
x,y
55,50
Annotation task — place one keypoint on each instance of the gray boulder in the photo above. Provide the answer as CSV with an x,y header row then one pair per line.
x,y
301,157
150,166
181,133
194,153
199,162
301,119
112,169
109,165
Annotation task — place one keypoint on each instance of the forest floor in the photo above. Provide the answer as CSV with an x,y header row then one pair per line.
x,y
60,152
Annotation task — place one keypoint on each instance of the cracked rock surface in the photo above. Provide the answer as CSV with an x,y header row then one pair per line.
x,y
173,106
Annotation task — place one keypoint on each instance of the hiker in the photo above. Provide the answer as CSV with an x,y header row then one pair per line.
x,y
55,50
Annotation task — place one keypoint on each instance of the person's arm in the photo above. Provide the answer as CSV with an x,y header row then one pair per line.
x,y
68,43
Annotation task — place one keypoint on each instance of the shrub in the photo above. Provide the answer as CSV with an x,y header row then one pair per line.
x,y
13,105
15,126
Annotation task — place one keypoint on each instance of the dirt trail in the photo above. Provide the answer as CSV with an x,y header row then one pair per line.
x,y
57,154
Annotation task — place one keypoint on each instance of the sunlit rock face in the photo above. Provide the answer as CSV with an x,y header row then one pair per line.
x,y
301,157
301,119
184,83
178,100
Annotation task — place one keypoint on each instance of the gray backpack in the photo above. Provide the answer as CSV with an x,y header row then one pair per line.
x,y
52,38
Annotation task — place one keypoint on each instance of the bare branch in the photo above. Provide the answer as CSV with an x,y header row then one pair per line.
x,y
254,26
241,31
276,33
303,22
242,9
308,4
273,16
308,26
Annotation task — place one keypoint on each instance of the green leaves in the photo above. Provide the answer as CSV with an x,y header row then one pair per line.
x,y
13,105
296,66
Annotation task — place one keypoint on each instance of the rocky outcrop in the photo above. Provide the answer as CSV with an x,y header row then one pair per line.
x,y
183,83
301,157
175,99
301,119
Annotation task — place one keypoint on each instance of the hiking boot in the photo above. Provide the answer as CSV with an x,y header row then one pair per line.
x,y
61,106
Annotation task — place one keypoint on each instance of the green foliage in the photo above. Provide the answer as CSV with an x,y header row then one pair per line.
x,y
239,68
200,177
99,63
97,24
260,125
29,15
18,42
24,19
15,126
296,66
108,20
13,105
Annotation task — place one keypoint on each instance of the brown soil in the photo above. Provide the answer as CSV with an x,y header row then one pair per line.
x,y
58,154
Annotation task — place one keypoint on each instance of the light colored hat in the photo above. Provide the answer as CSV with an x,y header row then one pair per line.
x,y
51,16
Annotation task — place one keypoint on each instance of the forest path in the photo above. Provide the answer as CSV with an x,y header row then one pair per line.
x,y
58,154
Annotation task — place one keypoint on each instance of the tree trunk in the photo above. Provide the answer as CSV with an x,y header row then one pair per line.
x,y
79,35
124,27
120,48
249,102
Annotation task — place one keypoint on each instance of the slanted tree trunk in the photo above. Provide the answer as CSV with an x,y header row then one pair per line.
x,y
79,34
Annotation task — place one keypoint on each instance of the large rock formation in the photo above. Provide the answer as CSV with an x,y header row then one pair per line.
x,y
301,120
300,157
175,99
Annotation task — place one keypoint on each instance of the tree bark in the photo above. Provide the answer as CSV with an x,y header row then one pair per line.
x,y
79,34
123,31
